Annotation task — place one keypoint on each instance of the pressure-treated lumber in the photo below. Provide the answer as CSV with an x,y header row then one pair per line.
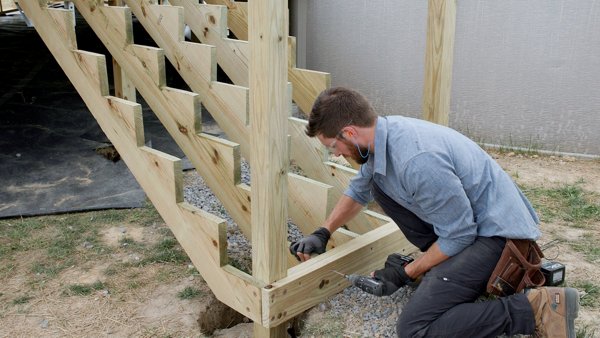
x,y
237,16
123,86
268,119
7,6
196,64
267,34
234,124
232,121
309,283
310,203
196,72
209,23
203,235
200,234
113,27
308,84
439,55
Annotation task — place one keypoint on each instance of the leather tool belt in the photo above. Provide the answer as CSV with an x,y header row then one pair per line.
x,y
518,268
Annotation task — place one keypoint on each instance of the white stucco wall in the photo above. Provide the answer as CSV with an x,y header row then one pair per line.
x,y
526,73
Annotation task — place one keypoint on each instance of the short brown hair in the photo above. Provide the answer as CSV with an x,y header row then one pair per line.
x,y
336,108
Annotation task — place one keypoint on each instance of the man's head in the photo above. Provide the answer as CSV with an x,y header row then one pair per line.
x,y
342,119
336,108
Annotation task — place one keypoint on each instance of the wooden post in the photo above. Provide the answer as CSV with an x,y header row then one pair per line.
x,y
439,52
269,151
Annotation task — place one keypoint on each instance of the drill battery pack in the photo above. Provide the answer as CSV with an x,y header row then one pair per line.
x,y
554,273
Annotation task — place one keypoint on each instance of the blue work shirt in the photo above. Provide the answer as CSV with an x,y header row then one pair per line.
x,y
446,180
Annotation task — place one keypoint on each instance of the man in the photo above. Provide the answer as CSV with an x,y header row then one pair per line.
x,y
453,202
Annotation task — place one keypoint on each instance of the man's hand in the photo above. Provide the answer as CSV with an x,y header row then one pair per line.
x,y
315,242
393,274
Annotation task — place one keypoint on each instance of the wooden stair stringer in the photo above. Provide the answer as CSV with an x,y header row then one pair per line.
x,y
196,63
217,162
148,16
183,123
202,235
209,25
209,22
208,19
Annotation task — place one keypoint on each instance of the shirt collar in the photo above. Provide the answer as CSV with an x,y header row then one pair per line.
x,y
380,158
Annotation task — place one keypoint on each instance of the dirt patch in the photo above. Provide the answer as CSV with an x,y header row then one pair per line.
x,y
92,274
535,170
162,307
116,235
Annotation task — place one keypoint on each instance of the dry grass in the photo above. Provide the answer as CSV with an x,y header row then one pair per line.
x,y
94,273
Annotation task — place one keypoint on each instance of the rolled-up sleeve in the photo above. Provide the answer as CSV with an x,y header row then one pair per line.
x,y
438,192
359,188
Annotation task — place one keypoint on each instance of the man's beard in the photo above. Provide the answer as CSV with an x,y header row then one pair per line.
x,y
355,154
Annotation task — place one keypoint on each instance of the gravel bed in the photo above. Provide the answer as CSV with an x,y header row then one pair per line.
x,y
239,249
362,314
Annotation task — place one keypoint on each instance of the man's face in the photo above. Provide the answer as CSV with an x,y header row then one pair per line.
x,y
341,146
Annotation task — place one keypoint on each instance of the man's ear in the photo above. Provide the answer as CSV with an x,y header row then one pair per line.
x,y
348,132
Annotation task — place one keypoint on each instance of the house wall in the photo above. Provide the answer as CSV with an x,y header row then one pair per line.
x,y
526,73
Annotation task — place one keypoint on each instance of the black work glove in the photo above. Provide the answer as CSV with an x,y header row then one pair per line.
x,y
315,242
393,274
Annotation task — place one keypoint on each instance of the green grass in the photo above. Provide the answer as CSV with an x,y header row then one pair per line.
x,y
22,300
80,290
132,285
129,243
111,271
49,267
189,293
585,332
15,233
57,243
588,246
166,251
7,269
84,289
146,216
110,216
569,203
592,293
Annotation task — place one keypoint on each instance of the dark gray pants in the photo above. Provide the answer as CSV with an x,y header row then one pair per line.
x,y
444,303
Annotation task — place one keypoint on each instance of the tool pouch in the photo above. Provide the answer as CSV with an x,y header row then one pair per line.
x,y
518,268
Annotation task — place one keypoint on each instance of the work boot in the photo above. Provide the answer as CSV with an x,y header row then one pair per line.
x,y
555,310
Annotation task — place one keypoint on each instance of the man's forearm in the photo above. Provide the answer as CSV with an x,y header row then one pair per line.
x,y
345,209
432,257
